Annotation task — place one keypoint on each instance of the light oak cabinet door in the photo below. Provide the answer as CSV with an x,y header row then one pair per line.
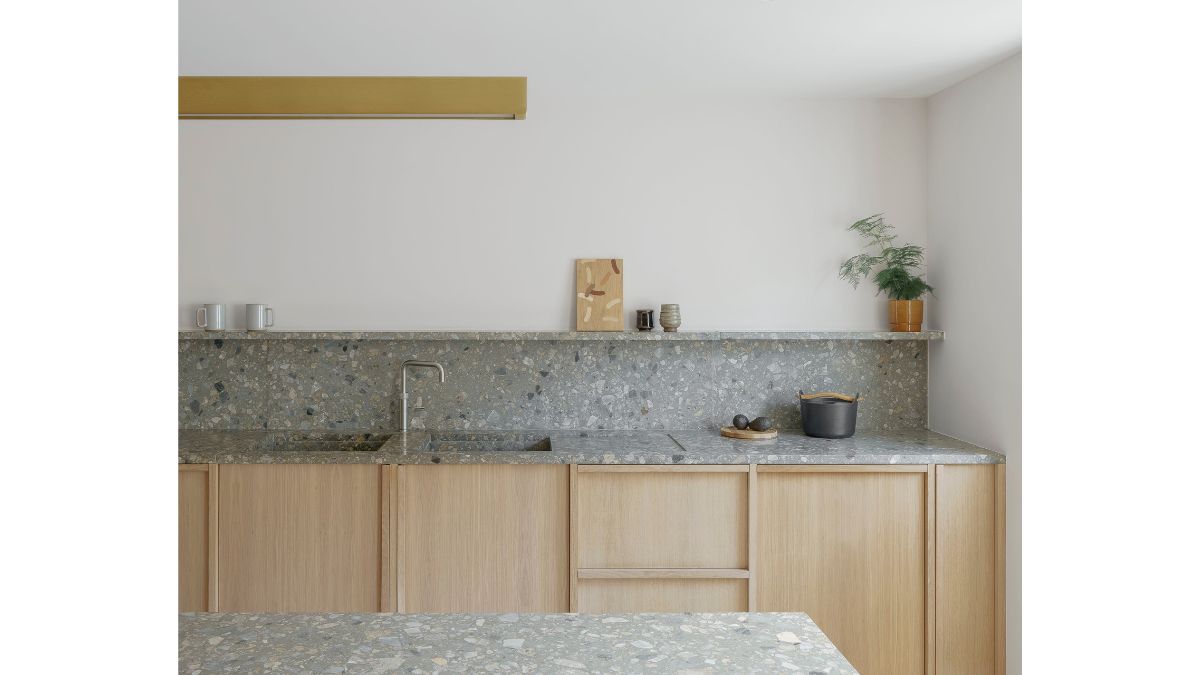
x,y
197,537
849,549
970,570
300,538
483,538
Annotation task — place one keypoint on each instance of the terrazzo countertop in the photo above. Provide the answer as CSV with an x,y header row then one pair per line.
x,y
560,335
544,643
572,447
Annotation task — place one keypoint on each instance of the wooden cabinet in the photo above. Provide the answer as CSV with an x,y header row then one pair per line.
x,y
847,545
969,593
300,538
661,538
483,538
901,566
197,537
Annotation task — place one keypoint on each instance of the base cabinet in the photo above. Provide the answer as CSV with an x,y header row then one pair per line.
x,y
300,538
849,549
483,538
661,538
197,537
969,615
901,566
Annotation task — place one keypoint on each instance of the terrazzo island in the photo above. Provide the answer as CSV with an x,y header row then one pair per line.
x,y
543,643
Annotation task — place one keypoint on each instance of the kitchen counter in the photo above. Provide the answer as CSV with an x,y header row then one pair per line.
x,y
594,447
563,336
562,643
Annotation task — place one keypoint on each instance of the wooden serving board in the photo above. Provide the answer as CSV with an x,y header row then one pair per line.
x,y
599,294
749,434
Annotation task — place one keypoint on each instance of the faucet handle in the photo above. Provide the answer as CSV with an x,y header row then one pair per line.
x,y
420,405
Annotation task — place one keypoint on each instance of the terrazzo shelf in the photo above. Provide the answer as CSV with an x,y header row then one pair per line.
x,y
561,336
544,643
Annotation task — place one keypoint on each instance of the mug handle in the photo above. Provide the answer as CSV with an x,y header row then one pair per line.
x,y
202,323
270,317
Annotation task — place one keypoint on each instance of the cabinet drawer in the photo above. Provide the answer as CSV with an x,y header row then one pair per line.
x,y
662,518
662,595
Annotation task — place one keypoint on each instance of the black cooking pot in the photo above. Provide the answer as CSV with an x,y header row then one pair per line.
x,y
828,415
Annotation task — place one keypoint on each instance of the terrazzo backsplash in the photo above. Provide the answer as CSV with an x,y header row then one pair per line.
x,y
530,384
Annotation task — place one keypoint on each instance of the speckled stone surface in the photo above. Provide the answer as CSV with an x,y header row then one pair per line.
x,y
521,643
573,336
587,447
542,384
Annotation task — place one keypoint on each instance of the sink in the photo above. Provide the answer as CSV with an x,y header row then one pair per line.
x,y
324,441
488,441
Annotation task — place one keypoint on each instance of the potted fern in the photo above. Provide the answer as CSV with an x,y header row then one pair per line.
x,y
897,276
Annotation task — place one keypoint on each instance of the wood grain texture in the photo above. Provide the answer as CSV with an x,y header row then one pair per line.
x,y
848,549
662,595
664,468
671,520
574,543
752,537
193,538
388,569
487,538
662,573
842,468
599,294
930,568
1001,549
966,561
400,534
214,567
300,537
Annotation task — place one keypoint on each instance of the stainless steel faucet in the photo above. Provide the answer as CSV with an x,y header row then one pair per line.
x,y
404,385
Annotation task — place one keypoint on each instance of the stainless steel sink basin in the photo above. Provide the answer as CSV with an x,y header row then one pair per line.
x,y
324,441
488,441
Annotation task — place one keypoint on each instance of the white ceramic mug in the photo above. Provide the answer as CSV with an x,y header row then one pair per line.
x,y
259,317
210,317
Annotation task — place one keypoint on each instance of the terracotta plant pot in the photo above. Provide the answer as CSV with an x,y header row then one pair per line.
x,y
906,315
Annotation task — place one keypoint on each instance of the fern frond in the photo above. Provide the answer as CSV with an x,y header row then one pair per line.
x,y
857,268
875,229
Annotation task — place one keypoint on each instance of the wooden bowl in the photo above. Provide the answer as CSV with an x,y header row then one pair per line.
x,y
749,434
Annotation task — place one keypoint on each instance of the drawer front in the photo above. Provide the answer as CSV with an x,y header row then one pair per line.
x,y
662,595
662,519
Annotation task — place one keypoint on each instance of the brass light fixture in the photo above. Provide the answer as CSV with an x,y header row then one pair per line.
x,y
240,97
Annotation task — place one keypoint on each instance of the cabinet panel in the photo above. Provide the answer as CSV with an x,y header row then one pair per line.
x,y
485,538
300,538
194,538
849,550
966,570
649,519
662,595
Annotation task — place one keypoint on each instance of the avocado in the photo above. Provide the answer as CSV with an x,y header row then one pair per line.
x,y
740,421
761,424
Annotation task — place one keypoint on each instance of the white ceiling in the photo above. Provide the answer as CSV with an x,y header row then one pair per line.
x,y
825,48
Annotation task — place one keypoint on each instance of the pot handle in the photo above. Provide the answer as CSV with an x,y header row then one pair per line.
x,y
828,394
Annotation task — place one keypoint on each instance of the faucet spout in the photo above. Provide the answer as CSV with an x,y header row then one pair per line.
x,y
413,363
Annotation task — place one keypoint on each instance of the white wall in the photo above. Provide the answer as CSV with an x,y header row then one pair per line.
x,y
734,207
974,210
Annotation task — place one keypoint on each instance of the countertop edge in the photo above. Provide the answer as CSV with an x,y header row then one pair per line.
x,y
688,448
563,336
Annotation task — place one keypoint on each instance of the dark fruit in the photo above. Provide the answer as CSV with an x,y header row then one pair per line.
x,y
740,421
761,424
